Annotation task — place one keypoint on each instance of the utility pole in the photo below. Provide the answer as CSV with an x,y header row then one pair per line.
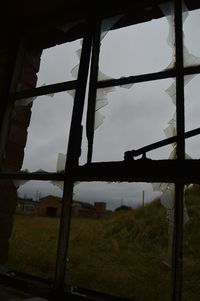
x,y
142,198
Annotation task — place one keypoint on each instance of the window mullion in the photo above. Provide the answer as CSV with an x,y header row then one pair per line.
x,y
178,243
39,91
93,89
137,79
73,153
179,187
180,114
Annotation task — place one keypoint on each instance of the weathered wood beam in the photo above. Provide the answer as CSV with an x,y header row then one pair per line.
x,y
143,170
49,89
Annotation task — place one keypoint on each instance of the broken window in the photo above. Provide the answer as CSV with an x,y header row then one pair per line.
x,y
128,118
52,63
132,117
138,51
46,125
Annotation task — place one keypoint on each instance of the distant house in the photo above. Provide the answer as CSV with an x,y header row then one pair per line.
x,y
82,209
50,206
27,206
100,209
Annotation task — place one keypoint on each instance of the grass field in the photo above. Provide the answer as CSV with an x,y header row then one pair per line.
x,y
122,255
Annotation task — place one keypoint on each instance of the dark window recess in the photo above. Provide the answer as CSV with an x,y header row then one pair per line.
x,y
51,211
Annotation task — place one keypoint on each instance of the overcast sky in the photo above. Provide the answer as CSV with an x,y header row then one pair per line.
x,y
134,117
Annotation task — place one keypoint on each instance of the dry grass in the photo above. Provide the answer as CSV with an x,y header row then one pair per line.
x,y
122,255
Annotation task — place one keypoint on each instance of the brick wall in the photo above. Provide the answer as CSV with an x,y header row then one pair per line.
x,y
100,207
14,152
21,114
50,202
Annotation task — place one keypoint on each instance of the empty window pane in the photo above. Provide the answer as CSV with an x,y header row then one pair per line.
x,y
39,132
191,38
119,241
131,117
136,49
57,63
192,110
33,244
